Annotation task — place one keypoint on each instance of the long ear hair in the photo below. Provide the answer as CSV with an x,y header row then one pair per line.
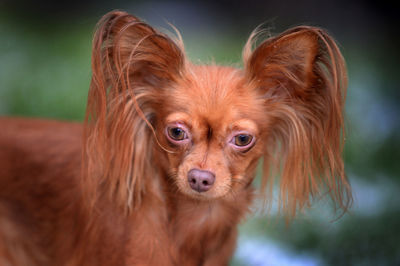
x,y
302,76
131,62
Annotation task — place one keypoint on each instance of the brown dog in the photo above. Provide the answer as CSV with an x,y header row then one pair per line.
x,y
170,150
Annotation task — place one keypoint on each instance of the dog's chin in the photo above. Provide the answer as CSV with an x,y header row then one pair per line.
x,y
202,196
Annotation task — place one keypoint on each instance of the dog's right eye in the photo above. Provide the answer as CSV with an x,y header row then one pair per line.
x,y
177,133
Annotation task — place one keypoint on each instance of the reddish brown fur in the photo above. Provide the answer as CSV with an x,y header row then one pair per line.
x,y
122,198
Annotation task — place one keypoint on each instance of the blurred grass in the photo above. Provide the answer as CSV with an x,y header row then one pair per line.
x,y
44,70
356,240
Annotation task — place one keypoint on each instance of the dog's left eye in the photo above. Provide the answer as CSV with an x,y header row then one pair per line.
x,y
242,140
177,133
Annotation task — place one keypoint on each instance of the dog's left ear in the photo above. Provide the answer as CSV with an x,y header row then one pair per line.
x,y
301,75
131,64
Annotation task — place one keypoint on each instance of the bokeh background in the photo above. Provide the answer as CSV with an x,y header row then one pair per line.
x,y
45,72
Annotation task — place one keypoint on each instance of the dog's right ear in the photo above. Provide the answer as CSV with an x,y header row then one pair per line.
x,y
126,48
131,63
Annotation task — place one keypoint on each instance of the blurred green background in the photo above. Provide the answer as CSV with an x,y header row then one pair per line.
x,y
45,72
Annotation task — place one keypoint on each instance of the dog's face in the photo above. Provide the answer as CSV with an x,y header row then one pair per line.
x,y
214,124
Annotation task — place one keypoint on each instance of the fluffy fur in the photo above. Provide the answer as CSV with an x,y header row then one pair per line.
x,y
122,196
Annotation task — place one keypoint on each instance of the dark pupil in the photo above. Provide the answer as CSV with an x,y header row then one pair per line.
x,y
176,133
242,140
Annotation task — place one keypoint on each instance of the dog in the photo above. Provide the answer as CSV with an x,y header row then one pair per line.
x,y
161,171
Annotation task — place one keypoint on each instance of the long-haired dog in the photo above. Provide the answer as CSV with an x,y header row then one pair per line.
x,y
164,172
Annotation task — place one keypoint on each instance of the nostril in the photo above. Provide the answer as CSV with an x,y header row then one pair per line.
x,y
205,182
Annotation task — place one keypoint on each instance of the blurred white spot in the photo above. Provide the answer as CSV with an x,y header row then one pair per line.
x,y
261,252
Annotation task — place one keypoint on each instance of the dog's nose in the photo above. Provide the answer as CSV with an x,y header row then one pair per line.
x,y
201,180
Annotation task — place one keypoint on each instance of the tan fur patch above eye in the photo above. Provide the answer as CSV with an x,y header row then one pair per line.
x,y
246,125
178,117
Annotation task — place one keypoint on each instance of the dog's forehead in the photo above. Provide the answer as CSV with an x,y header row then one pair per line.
x,y
214,96
214,82
212,89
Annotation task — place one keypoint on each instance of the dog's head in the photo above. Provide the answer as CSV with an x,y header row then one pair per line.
x,y
215,126
208,126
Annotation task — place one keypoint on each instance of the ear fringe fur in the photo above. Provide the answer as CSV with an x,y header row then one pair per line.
x,y
307,138
118,138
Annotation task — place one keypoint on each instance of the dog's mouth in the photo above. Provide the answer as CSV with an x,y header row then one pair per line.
x,y
203,196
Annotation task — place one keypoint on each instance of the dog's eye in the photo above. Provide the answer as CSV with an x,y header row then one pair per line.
x,y
176,133
242,140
